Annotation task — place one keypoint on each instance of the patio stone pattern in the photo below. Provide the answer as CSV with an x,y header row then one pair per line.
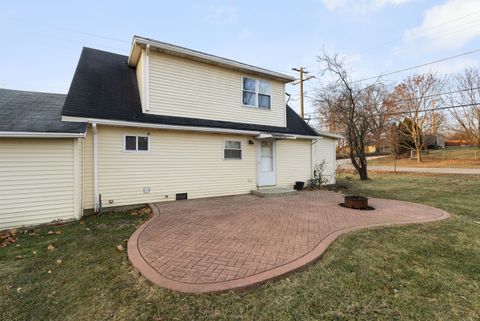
x,y
226,243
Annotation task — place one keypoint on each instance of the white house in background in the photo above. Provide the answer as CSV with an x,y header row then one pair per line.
x,y
164,123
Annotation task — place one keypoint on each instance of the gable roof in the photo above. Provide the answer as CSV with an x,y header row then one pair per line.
x,y
141,42
105,87
34,112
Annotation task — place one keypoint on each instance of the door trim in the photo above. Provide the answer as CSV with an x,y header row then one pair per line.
x,y
257,160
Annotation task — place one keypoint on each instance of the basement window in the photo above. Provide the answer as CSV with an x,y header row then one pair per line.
x,y
134,143
232,149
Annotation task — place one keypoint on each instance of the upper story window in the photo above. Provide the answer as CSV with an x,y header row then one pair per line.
x,y
256,93
136,143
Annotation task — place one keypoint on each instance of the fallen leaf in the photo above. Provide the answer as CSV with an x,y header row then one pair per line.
x,y
50,247
120,247
19,257
57,232
59,262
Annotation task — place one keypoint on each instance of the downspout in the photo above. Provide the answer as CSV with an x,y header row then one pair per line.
x,y
83,175
95,168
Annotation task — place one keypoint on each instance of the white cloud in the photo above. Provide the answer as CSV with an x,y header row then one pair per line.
x,y
449,25
222,15
361,6
244,34
453,66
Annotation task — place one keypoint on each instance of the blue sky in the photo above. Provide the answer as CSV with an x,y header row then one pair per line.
x,y
42,40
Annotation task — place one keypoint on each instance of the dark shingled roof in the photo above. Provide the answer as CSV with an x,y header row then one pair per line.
x,y
25,111
105,87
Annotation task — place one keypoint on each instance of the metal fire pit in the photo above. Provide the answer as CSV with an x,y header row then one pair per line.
x,y
356,202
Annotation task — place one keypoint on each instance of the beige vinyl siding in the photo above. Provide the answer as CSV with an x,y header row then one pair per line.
x,y
37,181
324,149
294,161
140,80
187,88
178,162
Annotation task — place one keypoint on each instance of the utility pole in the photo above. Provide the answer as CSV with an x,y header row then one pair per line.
x,y
300,81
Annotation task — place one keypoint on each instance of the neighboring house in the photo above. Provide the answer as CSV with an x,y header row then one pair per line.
x,y
162,124
434,141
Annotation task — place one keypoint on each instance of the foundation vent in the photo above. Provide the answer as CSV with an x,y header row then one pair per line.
x,y
181,196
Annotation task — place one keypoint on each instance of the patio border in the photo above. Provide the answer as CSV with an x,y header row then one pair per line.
x,y
156,278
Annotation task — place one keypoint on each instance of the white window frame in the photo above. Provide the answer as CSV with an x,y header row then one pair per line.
x,y
223,149
257,93
136,146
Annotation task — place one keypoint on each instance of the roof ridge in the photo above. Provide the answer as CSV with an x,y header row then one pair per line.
x,y
104,51
32,92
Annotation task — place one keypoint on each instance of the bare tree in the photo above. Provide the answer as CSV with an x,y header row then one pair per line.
x,y
467,94
380,118
341,102
417,100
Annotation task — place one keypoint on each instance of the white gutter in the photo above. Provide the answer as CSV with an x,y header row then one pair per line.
x,y
109,122
95,168
330,135
41,135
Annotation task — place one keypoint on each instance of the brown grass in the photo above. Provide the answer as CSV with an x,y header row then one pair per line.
x,y
462,157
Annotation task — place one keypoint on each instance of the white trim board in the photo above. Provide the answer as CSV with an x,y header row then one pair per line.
x,y
41,135
108,122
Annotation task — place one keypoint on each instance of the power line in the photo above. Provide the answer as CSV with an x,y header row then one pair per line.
x,y
434,95
428,96
420,111
48,25
417,66
427,110
416,33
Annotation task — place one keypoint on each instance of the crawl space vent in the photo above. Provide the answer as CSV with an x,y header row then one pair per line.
x,y
181,196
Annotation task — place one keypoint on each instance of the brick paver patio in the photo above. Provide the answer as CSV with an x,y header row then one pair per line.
x,y
224,243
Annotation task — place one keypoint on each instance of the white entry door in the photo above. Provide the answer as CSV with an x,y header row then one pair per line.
x,y
266,173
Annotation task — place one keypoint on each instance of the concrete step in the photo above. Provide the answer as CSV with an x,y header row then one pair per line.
x,y
273,191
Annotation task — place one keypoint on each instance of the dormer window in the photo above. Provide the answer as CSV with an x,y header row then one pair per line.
x,y
256,93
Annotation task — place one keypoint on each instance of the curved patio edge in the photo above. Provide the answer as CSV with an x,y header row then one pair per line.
x,y
156,278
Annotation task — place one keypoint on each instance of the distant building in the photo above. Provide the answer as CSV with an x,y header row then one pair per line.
x,y
434,141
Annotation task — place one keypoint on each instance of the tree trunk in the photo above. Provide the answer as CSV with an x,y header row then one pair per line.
x,y
419,155
363,173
